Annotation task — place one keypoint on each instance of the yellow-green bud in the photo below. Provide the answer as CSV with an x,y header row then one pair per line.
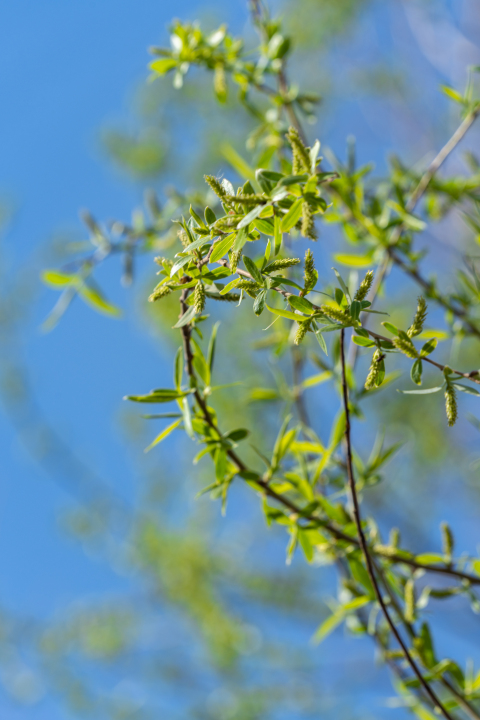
x,y
447,540
301,157
406,347
159,292
336,314
199,297
283,263
417,326
451,404
364,287
410,601
310,276
302,329
234,260
373,375
308,222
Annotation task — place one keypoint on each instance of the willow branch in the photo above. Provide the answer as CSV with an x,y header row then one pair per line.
x,y
364,545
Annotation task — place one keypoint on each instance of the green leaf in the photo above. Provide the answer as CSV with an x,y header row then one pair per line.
x,y
178,369
265,226
342,283
179,264
338,617
277,234
250,217
163,65
57,279
187,316
240,240
210,217
292,216
253,270
237,162
211,346
391,328
466,389
165,433
416,372
162,395
427,391
301,304
222,247
430,558
353,260
259,302
284,313
429,347
321,339
453,94
362,341
94,298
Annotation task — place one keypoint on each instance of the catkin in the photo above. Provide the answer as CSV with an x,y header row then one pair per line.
x,y
159,292
301,157
302,329
199,297
308,222
283,263
406,347
217,187
234,260
310,275
373,375
451,404
417,326
364,287
250,287
410,601
447,539
335,314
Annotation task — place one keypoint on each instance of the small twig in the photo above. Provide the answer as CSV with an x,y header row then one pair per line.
x,y
364,545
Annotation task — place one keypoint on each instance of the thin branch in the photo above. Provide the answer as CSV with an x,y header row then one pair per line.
x,y
364,545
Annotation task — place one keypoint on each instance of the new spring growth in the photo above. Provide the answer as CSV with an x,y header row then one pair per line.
x,y
199,297
217,187
301,157
310,275
364,287
374,376
302,329
410,601
394,538
417,326
405,345
250,287
283,263
451,404
336,314
159,292
308,222
234,260
447,540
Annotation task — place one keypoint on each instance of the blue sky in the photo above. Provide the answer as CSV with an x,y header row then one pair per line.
x,y
67,69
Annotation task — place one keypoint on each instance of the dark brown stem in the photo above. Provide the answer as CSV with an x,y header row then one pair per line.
x,y
364,545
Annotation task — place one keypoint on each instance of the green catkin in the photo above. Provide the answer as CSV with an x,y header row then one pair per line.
x,y
447,540
220,82
246,199
335,314
406,347
301,157
283,263
165,263
308,222
217,187
310,275
364,287
234,260
417,326
395,538
451,404
199,297
250,287
302,329
373,375
183,237
410,601
159,292
227,297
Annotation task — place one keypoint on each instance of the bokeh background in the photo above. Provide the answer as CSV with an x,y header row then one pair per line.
x,y
121,594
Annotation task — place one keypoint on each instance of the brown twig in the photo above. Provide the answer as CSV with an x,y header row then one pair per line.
x,y
364,545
